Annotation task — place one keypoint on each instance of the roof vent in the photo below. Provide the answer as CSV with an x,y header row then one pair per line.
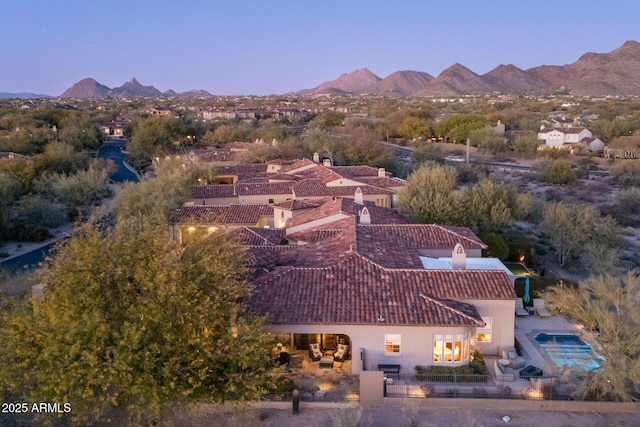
x,y
365,216
358,197
381,173
327,162
458,258
381,318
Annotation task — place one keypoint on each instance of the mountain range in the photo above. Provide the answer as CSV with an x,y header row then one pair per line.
x,y
89,88
593,74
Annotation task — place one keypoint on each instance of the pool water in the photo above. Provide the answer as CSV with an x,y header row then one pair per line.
x,y
571,351
517,269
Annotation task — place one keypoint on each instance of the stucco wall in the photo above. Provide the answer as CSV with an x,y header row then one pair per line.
x,y
502,314
416,343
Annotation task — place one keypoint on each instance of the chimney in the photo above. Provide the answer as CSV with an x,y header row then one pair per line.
x,y
365,216
458,258
316,157
381,173
358,199
327,162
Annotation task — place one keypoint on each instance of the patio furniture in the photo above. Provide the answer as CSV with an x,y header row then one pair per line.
x,y
503,370
315,353
511,355
538,303
530,372
341,353
326,362
520,310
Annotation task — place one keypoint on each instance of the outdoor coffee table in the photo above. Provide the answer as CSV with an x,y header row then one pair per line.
x,y
326,362
530,372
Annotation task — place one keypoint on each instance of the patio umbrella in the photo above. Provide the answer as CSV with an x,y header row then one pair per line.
x,y
526,297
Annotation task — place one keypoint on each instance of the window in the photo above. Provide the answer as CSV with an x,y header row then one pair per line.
x,y
271,201
484,334
451,348
392,344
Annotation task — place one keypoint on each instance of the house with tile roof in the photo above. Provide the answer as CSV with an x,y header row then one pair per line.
x,y
363,282
564,137
276,182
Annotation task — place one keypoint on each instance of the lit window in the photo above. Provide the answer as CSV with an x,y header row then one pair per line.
x,y
392,344
484,334
451,348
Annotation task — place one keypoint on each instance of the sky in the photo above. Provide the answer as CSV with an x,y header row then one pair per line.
x,y
247,47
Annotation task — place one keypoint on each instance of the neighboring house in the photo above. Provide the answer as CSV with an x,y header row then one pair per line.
x,y
563,137
113,130
593,144
280,181
159,112
205,220
624,147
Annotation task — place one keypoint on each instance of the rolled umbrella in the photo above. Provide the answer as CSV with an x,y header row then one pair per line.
x,y
526,298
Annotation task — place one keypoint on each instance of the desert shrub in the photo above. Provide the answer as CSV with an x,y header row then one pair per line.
x,y
519,245
558,171
627,174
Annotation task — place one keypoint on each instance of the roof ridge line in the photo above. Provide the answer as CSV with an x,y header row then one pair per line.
x,y
441,304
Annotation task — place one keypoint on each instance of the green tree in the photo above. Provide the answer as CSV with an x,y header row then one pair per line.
x,y
457,128
608,304
132,320
414,128
491,206
526,145
429,195
488,141
558,171
496,246
327,119
154,137
579,230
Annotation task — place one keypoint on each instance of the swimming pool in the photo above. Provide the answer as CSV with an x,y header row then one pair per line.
x,y
571,351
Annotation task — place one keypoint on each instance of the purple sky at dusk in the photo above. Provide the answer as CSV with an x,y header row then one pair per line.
x,y
269,47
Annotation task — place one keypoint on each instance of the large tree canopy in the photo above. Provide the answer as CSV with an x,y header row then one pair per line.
x,y
607,304
131,319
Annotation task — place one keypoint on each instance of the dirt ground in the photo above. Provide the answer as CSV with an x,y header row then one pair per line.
x,y
413,417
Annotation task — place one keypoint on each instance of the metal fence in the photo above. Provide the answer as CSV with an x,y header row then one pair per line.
x,y
479,386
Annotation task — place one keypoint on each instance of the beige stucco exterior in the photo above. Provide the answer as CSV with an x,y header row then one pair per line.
x,y
416,347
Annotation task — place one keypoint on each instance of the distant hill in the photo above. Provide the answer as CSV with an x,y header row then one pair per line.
x,y
22,95
89,88
353,82
455,81
593,74
400,83
133,89
511,79
86,88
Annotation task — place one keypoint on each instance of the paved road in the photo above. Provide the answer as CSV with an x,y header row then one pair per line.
x,y
111,150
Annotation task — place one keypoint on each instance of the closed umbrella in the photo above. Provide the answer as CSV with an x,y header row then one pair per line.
x,y
526,298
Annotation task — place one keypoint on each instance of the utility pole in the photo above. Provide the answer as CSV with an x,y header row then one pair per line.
x,y
468,142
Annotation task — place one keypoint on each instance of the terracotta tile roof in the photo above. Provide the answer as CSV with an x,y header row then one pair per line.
x,y
317,188
298,204
356,291
302,163
355,171
340,206
383,182
213,191
281,177
240,189
254,236
229,214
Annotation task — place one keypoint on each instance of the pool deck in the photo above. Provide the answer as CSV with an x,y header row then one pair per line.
x,y
528,327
